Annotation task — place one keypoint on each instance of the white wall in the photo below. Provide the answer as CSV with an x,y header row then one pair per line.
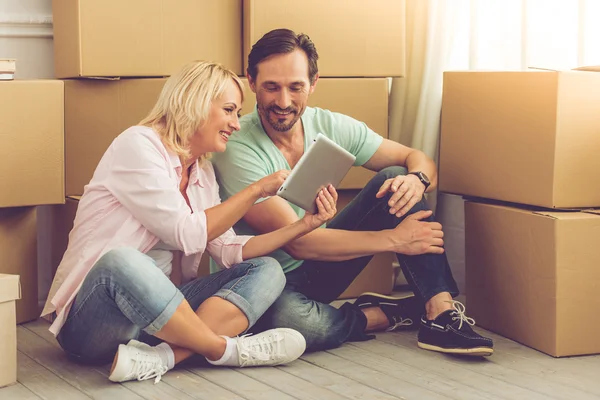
x,y
26,35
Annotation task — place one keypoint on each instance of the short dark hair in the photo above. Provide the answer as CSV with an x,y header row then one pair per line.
x,y
283,41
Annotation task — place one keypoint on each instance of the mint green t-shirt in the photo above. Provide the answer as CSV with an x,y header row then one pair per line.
x,y
251,155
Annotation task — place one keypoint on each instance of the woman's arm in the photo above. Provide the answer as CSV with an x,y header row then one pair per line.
x,y
223,216
266,243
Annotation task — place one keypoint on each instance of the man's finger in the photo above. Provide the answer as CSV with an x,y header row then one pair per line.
x,y
408,206
435,226
397,182
437,242
435,250
419,215
400,192
384,188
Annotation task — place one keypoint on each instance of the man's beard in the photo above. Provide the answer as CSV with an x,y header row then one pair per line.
x,y
276,123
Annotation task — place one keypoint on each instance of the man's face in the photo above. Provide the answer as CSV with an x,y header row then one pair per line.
x,y
282,88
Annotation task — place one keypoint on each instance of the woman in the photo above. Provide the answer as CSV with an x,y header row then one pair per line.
x,y
152,195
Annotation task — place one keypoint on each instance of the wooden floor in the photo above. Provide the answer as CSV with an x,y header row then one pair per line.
x,y
390,367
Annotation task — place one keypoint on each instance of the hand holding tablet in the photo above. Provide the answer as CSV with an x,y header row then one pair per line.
x,y
324,163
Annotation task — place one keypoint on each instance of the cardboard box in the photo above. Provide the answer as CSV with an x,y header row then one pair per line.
x,y
9,292
364,99
533,276
378,275
31,142
529,137
353,37
144,37
96,112
18,247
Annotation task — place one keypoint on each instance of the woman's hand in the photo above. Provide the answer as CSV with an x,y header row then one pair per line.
x,y
270,184
326,208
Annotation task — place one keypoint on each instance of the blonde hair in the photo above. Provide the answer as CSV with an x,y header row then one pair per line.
x,y
185,101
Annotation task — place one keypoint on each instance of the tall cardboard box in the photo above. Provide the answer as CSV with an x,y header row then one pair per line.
x,y
144,37
533,276
353,37
31,142
378,275
364,99
529,137
18,247
96,112
9,292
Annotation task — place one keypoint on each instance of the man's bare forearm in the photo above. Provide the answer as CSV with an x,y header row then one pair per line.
x,y
339,245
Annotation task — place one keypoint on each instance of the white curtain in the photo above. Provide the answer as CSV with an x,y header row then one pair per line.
x,y
483,34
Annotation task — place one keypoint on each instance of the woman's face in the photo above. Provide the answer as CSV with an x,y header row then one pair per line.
x,y
222,121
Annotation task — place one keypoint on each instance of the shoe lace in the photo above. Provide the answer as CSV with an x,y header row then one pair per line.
x,y
254,350
459,314
147,366
398,322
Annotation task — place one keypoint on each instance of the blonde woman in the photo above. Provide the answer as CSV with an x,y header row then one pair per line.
x,y
153,197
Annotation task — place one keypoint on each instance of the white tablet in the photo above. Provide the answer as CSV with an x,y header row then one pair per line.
x,y
325,162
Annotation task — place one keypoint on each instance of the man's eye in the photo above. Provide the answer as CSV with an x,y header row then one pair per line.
x,y
229,110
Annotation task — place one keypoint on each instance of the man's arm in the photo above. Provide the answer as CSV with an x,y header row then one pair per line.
x,y
412,236
321,244
391,153
407,190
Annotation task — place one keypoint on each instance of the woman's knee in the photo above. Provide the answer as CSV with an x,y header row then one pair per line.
x,y
125,264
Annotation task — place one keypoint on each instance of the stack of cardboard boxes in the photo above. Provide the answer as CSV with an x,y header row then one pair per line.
x,y
31,174
114,57
523,146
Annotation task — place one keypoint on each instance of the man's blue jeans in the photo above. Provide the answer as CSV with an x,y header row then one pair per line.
x,y
304,303
126,296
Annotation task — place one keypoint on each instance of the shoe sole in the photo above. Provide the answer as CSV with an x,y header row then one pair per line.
x,y
112,367
475,351
387,297
381,297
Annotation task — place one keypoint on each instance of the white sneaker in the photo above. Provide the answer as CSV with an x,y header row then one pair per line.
x,y
272,347
137,360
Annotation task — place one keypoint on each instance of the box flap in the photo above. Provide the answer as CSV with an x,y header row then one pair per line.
x,y
10,288
592,68
568,215
595,211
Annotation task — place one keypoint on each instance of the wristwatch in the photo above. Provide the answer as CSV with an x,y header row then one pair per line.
x,y
422,177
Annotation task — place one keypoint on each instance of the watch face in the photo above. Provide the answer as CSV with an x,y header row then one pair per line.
x,y
424,178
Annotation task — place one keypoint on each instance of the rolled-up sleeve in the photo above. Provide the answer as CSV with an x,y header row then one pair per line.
x,y
138,177
226,250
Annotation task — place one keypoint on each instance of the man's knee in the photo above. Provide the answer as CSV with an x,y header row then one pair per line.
x,y
392,172
317,322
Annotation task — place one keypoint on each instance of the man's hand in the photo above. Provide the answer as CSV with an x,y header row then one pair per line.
x,y
326,208
407,191
413,236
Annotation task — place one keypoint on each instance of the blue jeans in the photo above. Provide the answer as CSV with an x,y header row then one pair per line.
x,y
304,303
126,296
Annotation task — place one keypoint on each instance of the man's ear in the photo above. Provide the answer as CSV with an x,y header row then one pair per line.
x,y
251,82
314,84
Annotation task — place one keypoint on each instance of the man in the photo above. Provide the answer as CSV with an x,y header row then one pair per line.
x,y
389,214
